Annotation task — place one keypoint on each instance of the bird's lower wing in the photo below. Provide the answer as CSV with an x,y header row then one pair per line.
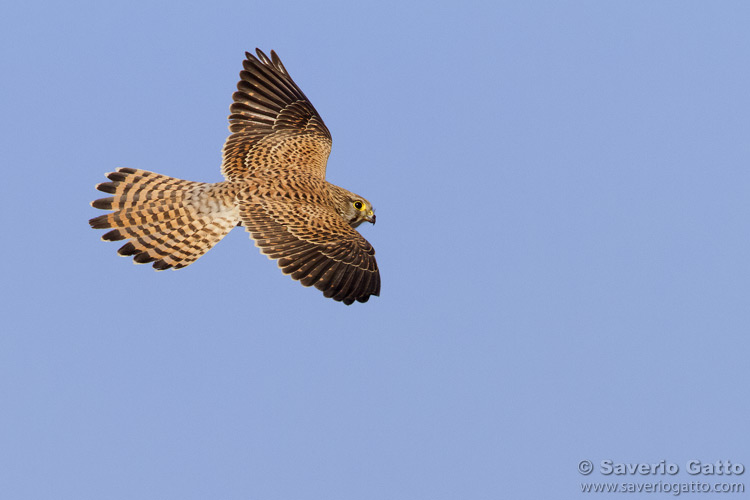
x,y
315,246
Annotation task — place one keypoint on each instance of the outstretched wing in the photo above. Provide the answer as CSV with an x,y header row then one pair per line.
x,y
274,127
315,246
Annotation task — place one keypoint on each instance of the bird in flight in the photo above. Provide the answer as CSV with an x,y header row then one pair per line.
x,y
274,163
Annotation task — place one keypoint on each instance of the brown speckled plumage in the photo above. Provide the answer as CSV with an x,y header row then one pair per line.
x,y
274,165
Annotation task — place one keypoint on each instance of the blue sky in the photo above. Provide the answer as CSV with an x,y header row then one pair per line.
x,y
562,199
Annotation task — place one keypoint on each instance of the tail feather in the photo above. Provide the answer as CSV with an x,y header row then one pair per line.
x,y
133,187
151,213
168,222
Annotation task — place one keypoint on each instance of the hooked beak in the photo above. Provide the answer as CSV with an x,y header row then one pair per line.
x,y
371,217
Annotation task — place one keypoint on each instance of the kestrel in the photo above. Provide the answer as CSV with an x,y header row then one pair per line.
x,y
274,164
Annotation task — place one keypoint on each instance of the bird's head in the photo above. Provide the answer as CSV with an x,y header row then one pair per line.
x,y
357,210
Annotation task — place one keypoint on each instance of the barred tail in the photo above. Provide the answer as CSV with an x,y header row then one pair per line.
x,y
168,221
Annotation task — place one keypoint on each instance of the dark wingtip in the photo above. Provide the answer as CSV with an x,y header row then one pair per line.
x,y
261,55
277,62
274,61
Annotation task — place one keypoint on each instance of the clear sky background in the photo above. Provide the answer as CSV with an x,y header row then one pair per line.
x,y
563,202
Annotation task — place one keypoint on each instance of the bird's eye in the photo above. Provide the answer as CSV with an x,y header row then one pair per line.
x,y
358,205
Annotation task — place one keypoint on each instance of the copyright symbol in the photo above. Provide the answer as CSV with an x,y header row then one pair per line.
x,y
585,467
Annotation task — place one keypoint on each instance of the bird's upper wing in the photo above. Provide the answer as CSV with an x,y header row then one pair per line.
x,y
315,246
275,129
